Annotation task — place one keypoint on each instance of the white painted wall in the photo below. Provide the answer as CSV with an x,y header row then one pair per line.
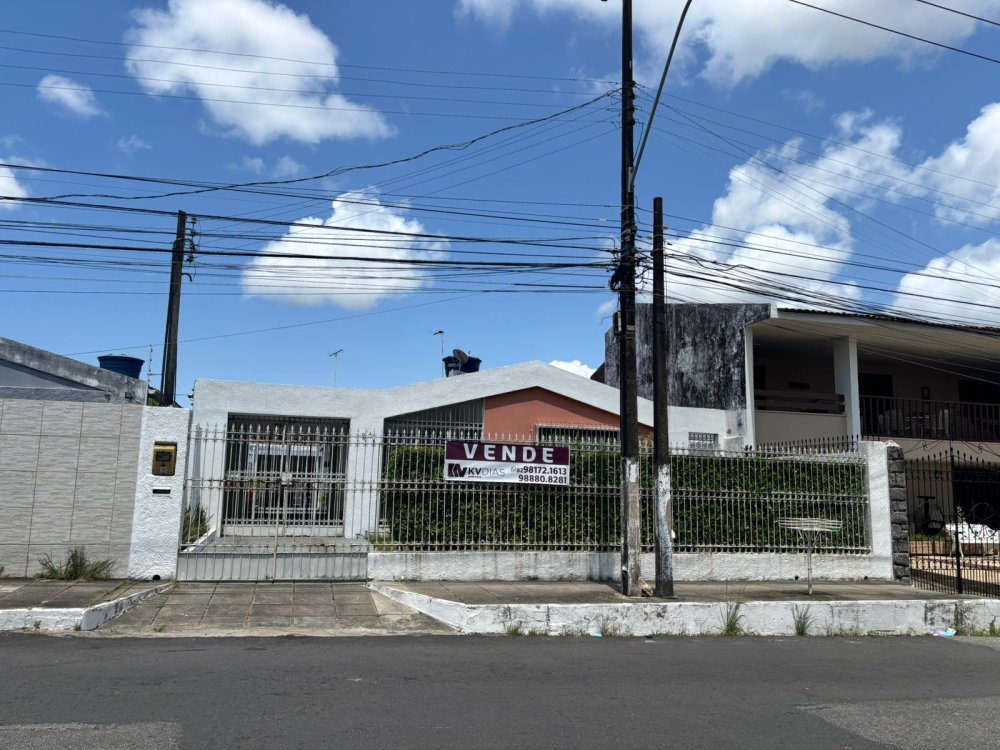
x,y
605,566
159,501
644,618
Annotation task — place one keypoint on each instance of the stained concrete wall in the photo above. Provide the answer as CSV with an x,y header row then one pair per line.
x,y
705,354
67,478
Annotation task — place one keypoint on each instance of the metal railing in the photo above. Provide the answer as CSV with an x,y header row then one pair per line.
x,y
930,420
390,490
723,501
799,401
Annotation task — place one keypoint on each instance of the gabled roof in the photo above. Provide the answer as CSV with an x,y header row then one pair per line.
x,y
216,395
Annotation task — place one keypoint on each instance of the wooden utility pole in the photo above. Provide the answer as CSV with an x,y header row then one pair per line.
x,y
631,552
168,382
661,400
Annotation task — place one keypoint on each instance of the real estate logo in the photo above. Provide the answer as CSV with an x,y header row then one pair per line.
x,y
466,461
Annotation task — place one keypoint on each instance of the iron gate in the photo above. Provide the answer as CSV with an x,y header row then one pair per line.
x,y
265,501
954,515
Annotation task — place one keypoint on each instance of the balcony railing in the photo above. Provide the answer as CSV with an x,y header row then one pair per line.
x,y
929,420
800,401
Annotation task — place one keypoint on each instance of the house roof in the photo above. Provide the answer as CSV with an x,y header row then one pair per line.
x,y
29,372
212,397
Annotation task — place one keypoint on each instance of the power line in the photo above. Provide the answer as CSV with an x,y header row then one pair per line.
x,y
458,146
303,62
959,12
978,56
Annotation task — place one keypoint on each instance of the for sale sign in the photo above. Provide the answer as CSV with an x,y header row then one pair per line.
x,y
466,461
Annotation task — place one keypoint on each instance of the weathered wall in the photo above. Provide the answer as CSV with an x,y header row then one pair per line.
x,y
705,354
30,373
67,478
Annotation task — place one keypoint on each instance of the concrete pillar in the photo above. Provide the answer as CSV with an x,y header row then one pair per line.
x,y
159,500
750,423
845,373
363,475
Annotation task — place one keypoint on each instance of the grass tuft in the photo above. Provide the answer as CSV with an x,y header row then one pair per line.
x,y
803,619
733,620
76,567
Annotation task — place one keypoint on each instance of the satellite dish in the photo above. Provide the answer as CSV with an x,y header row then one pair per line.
x,y
460,355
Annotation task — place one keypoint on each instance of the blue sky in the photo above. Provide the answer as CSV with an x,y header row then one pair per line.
x,y
802,158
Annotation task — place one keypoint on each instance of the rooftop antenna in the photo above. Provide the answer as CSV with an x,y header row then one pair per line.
x,y
444,371
336,358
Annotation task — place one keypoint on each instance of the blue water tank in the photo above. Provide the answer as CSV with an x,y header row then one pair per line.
x,y
122,364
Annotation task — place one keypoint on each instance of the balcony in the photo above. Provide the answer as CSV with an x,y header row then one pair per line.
x,y
799,401
929,420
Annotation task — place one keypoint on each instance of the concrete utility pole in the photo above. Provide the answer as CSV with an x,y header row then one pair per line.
x,y
631,554
661,436
168,381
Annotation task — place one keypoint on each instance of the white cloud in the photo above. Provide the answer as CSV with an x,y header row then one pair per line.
x,y
132,143
948,279
76,98
251,164
771,222
305,110
740,40
9,185
286,167
576,367
966,172
332,277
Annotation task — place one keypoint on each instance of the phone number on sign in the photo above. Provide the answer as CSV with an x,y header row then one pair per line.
x,y
543,474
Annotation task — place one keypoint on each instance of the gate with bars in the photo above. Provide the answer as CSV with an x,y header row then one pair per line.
x,y
953,499
265,500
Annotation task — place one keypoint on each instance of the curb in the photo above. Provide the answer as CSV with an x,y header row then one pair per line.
x,y
766,618
74,618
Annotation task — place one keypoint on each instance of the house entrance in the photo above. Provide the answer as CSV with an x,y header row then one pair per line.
x,y
265,501
953,502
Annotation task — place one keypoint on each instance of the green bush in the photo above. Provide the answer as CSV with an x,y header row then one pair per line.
x,y
76,567
722,502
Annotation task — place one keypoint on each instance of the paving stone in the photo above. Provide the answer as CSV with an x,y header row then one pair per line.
x,y
368,622
270,621
265,610
351,610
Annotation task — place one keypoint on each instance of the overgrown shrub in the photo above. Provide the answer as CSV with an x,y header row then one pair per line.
x,y
722,502
77,567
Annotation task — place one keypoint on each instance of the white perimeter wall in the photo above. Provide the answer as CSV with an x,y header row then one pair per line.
x,y
156,524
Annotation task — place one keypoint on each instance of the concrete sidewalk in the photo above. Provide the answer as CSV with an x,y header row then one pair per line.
x,y
69,605
761,608
193,609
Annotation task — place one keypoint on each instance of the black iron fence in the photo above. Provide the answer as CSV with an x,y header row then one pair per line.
x,y
954,513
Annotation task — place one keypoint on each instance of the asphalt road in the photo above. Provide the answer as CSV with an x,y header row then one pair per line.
x,y
480,692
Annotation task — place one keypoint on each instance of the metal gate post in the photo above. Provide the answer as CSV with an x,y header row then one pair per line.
x,y
957,515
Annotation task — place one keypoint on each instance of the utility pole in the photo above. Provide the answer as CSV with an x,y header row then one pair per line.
x,y
631,553
168,382
661,401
